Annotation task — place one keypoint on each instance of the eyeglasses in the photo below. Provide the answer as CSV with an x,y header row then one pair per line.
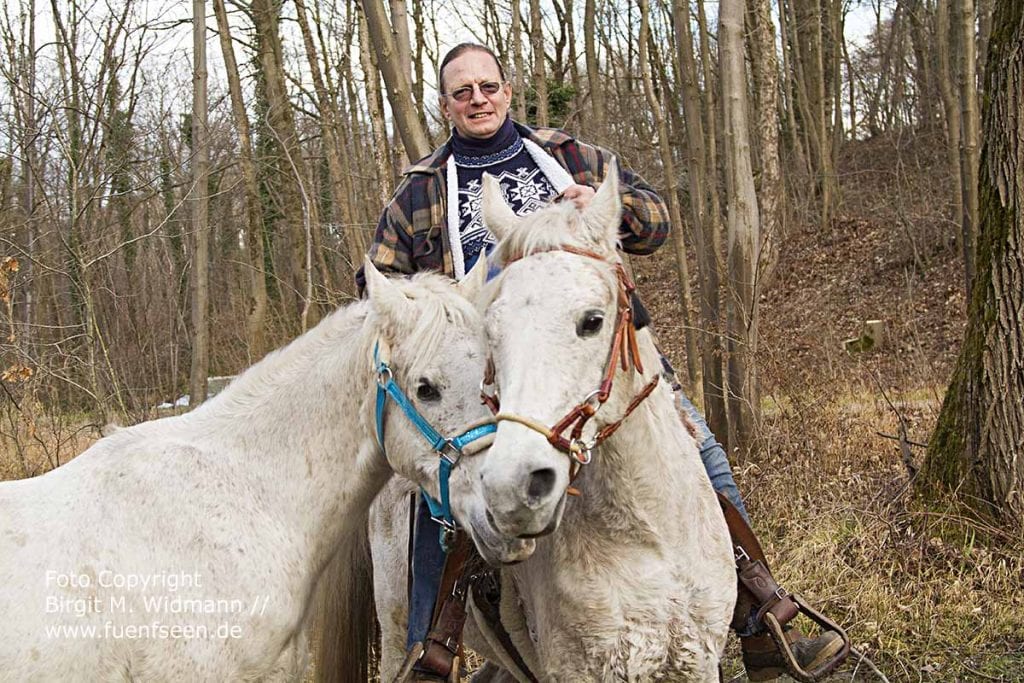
x,y
465,93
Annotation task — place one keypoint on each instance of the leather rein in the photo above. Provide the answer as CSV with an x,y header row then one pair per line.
x,y
624,352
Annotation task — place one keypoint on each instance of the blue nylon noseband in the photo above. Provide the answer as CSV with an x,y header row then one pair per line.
x,y
449,450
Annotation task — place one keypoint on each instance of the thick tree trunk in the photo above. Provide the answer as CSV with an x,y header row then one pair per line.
x,y
978,444
289,166
414,137
743,229
329,146
200,212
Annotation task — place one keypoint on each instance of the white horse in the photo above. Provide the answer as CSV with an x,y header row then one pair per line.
x,y
637,582
189,548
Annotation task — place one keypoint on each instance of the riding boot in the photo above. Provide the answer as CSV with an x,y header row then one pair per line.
x,y
771,647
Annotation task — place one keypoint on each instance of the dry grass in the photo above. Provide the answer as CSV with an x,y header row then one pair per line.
x,y
927,595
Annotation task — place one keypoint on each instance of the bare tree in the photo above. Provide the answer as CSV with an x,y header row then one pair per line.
x,y
414,137
540,81
707,225
672,193
743,227
594,83
518,71
200,211
257,308
969,137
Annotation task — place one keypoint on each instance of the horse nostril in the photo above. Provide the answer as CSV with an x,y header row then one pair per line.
x,y
541,483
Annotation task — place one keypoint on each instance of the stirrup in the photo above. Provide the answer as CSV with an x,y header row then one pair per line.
x,y
775,629
407,674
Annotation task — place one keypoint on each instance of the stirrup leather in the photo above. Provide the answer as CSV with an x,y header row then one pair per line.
x,y
776,606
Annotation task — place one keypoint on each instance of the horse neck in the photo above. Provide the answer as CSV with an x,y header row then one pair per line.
x,y
299,424
648,475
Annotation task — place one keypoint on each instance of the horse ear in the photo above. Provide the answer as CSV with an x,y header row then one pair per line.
x,y
604,214
471,285
393,307
498,217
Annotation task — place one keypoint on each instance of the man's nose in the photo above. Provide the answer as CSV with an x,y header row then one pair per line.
x,y
478,95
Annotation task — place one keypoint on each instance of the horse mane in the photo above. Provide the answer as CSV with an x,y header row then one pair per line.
x,y
551,228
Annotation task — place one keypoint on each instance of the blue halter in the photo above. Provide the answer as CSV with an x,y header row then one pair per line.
x,y
449,450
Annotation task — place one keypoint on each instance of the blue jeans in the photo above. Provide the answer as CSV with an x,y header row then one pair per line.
x,y
428,557
713,456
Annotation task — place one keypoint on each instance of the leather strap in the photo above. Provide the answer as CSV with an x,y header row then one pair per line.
x,y
762,591
443,644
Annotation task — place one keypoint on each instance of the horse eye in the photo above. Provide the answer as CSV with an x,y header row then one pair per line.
x,y
426,391
590,324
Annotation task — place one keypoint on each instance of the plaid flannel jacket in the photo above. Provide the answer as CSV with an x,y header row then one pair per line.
x,y
412,234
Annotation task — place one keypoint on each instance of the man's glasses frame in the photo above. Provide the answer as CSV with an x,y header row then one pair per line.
x,y
465,93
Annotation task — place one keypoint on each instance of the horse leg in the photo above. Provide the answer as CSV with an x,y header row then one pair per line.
x,y
389,544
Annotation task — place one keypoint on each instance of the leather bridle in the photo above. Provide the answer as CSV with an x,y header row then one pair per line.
x,y
624,352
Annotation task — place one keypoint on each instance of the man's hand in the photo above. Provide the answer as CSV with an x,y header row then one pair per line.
x,y
580,195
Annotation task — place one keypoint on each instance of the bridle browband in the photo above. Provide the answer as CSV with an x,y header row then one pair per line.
x,y
624,352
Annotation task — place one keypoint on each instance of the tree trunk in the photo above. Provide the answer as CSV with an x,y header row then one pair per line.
x,y
288,164
795,141
672,193
950,105
257,305
518,82
200,212
378,125
597,106
765,65
414,137
743,228
976,447
540,81
970,138
328,144
706,227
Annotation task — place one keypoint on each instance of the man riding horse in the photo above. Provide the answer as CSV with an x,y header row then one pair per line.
x,y
420,229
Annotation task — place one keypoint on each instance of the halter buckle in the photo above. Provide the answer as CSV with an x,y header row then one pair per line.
x,y
384,375
450,453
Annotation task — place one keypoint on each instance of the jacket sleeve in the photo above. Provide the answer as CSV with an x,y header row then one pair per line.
x,y
391,249
645,218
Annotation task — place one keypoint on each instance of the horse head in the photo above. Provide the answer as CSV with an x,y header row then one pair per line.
x,y
559,328
432,346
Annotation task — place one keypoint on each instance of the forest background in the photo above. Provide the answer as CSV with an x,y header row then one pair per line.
x,y
179,197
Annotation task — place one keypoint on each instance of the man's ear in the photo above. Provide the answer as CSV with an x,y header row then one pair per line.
x,y
392,307
602,218
498,217
471,285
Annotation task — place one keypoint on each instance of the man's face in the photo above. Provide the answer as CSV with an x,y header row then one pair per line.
x,y
481,115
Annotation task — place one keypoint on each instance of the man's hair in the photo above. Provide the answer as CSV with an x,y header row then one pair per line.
x,y
458,51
